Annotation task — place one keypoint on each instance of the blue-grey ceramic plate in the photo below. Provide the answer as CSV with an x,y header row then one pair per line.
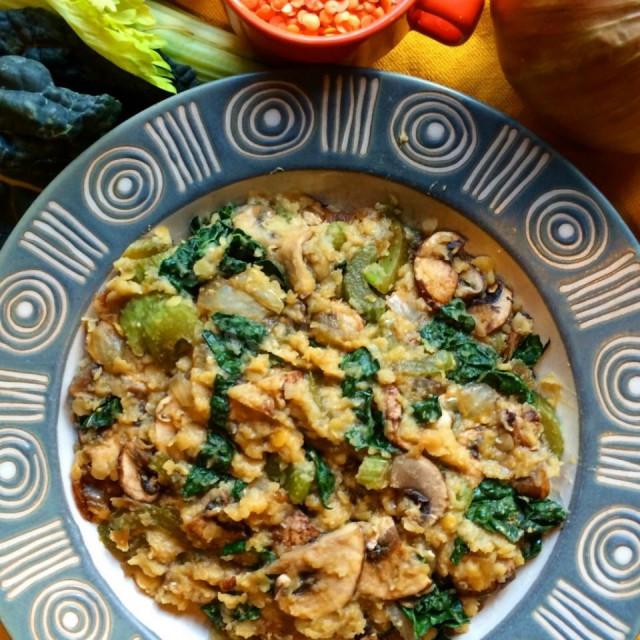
x,y
343,135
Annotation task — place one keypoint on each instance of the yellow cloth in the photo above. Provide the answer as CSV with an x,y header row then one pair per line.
x,y
474,69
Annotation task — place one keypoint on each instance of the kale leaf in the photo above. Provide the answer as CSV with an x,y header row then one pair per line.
x,y
472,358
219,402
530,350
217,452
199,481
510,384
248,332
441,607
324,477
455,313
496,506
232,548
460,548
238,488
427,410
103,416
178,267
213,611
361,367
245,611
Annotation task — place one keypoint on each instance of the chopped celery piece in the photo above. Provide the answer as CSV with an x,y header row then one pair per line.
x,y
336,231
357,291
550,424
155,323
382,274
373,472
439,363
300,477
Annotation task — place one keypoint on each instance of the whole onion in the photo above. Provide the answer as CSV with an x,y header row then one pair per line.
x,y
577,63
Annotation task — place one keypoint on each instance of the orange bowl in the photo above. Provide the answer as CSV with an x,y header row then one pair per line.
x,y
448,21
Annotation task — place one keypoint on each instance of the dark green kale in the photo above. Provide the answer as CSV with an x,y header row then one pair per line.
x,y
530,350
427,410
219,402
178,267
238,488
233,548
43,127
361,368
455,314
509,384
360,364
472,358
439,608
245,611
199,481
265,557
217,452
213,611
460,548
324,477
235,327
369,433
103,416
496,506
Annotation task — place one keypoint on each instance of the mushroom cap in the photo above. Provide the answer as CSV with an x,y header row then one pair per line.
x,y
422,476
492,310
436,279
322,576
391,569
133,474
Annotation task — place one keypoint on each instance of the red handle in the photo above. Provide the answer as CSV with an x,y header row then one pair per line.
x,y
448,21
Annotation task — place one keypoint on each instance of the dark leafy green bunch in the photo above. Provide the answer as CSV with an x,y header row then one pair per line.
x,y
361,368
43,127
496,506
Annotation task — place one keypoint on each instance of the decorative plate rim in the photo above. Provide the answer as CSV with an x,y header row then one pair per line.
x,y
505,179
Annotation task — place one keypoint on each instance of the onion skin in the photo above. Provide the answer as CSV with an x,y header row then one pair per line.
x,y
577,64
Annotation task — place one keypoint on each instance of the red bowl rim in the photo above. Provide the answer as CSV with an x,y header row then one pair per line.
x,y
322,42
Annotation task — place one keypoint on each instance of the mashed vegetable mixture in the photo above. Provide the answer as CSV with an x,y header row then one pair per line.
x,y
314,423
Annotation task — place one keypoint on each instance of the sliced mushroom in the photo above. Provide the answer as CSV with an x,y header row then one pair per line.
x,y
422,482
290,253
93,497
338,327
320,577
442,244
435,276
535,485
391,569
492,310
134,476
471,282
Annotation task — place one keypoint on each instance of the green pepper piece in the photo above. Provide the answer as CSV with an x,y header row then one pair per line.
x,y
300,477
357,291
382,274
438,363
550,425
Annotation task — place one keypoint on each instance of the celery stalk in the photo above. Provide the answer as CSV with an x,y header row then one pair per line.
x,y
373,472
211,51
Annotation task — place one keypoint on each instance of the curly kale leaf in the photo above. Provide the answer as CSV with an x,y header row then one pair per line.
x,y
427,410
472,358
455,314
496,506
104,415
509,384
439,608
530,350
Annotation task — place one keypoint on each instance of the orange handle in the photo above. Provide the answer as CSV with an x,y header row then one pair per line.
x,y
448,21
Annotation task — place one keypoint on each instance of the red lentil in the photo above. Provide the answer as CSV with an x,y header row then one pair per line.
x,y
320,17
